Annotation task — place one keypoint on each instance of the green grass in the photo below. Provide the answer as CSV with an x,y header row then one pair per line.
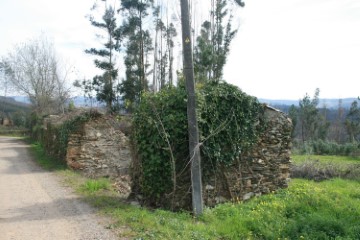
x,y
95,185
326,159
44,160
306,210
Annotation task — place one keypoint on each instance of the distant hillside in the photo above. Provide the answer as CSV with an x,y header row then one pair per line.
x,y
81,101
21,99
329,103
9,105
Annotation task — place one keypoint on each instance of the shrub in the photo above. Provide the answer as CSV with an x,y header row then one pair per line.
x,y
318,171
320,147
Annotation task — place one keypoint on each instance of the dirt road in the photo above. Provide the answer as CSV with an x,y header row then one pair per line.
x,y
35,206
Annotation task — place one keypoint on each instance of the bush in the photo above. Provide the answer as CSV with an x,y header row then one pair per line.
x,y
331,148
318,171
320,147
229,122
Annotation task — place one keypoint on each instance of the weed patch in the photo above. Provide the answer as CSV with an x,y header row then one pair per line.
x,y
320,168
94,185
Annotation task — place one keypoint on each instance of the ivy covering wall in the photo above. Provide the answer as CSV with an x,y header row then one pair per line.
x,y
229,120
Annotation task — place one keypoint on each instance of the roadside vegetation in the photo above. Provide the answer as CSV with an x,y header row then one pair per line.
x,y
327,209
44,160
13,131
306,210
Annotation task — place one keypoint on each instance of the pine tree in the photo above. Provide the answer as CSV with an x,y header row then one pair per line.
x,y
138,46
352,122
213,44
308,114
104,84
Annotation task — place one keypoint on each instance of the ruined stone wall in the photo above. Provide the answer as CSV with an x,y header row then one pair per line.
x,y
99,149
97,146
262,169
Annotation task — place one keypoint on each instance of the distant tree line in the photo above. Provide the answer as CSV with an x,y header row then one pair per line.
x,y
315,124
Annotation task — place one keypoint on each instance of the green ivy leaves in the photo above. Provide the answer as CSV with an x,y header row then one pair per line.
x,y
228,121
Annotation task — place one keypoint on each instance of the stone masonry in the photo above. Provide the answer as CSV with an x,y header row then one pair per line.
x,y
262,169
99,149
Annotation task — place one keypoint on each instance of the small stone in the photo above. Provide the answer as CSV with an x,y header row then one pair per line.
x,y
220,199
135,203
248,196
209,187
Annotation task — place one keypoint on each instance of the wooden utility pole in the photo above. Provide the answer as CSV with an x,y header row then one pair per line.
x,y
188,65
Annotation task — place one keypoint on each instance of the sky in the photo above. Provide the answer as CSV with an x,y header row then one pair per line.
x,y
283,49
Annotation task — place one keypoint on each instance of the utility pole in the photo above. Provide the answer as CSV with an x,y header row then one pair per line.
x,y
194,150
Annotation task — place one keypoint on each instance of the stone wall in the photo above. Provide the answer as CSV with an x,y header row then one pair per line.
x,y
99,149
96,146
263,169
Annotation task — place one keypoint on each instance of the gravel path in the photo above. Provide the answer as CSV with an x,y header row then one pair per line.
x,y
34,205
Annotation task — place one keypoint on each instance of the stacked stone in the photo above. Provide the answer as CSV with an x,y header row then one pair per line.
x,y
100,150
262,169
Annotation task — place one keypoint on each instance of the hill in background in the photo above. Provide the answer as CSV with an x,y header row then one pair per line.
x,y
10,105
282,104
323,102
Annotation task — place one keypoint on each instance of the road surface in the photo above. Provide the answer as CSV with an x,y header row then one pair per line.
x,y
35,206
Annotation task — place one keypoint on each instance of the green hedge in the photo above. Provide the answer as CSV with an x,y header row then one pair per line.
x,y
331,148
229,122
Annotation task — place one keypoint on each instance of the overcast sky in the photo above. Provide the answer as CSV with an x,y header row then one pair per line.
x,y
284,48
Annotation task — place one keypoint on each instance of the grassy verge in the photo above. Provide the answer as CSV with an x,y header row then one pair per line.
x,y
44,160
306,210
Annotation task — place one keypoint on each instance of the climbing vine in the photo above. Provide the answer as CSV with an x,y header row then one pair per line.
x,y
55,138
229,122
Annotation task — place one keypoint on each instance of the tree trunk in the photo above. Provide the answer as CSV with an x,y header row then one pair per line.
x,y
142,64
155,59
